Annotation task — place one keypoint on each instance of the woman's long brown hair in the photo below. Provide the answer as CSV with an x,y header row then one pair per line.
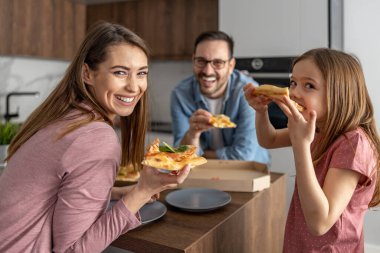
x,y
71,93
348,103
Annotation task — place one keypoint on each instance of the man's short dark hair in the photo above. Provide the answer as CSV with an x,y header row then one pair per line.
x,y
215,35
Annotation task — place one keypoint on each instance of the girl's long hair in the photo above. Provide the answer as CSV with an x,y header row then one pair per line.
x,y
348,103
71,93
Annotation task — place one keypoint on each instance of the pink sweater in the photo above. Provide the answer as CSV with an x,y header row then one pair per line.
x,y
54,193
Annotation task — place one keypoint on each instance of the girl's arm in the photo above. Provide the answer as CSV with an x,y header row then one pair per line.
x,y
267,135
321,206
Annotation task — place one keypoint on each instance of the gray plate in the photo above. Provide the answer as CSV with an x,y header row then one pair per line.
x,y
152,211
198,199
149,212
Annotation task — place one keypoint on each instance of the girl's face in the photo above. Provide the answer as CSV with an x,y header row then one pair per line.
x,y
120,81
308,88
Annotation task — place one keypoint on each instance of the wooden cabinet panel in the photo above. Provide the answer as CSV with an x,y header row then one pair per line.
x,y
55,28
122,13
43,28
171,26
168,26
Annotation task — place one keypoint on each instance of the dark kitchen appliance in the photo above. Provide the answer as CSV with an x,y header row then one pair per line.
x,y
269,70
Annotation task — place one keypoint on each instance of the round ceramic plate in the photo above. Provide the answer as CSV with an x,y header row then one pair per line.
x,y
149,212
198,199
152,211
168,171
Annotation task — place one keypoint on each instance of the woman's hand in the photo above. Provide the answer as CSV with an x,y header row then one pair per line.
x,y
259,103
151,183
300,128
118,192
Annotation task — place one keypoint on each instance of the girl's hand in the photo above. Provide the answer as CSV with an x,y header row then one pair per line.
x,y
259,103
300,128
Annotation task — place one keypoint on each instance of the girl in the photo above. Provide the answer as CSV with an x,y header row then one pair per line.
x,y
336,150
62,164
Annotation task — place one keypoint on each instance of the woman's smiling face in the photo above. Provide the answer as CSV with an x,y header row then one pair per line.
x,y
119,82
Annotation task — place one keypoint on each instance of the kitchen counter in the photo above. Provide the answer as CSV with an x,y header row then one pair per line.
x,y
251,222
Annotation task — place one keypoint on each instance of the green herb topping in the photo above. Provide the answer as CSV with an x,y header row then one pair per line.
x,y
170,149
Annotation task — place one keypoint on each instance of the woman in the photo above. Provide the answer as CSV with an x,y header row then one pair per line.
x,y
62,164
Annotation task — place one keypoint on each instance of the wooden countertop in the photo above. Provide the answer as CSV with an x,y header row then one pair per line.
x,y
251,222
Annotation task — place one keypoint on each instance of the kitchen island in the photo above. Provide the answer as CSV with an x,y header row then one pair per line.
x,y
251,222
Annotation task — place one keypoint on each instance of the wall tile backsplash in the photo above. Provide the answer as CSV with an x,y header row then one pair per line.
x,y
31,74
27,74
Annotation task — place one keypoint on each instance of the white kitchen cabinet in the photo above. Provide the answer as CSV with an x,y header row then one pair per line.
x,y
274,27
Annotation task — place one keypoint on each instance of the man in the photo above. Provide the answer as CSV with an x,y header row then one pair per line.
x,y
215,88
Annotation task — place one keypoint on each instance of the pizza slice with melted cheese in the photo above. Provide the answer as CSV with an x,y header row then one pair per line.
x,y
221,121
172,159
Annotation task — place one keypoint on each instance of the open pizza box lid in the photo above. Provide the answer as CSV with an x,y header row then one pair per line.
x,y
229,175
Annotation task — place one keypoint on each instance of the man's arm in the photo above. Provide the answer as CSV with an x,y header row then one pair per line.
x,y
188,121
180,119
243,144
210,154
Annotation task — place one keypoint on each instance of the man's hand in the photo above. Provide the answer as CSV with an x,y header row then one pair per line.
x,y
200,121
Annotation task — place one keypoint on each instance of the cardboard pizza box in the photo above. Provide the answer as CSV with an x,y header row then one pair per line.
x,y
229,175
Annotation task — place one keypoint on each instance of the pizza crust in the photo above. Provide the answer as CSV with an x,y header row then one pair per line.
x,y
275,92
271,91
162,162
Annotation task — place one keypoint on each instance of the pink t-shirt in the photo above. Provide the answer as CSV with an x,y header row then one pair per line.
x,y
350,151
54,193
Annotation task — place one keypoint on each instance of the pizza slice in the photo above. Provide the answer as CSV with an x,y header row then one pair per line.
x,y
271,91
221,121
275,92
167,158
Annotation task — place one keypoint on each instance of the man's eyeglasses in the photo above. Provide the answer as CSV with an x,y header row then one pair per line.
x,y
201,62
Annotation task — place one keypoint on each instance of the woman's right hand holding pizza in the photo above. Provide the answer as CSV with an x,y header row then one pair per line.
x,y
152,182
257,102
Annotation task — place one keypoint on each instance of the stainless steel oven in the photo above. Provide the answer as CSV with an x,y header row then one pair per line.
x,y
269,70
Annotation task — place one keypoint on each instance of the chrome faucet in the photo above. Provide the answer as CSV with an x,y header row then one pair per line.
x,y
8,115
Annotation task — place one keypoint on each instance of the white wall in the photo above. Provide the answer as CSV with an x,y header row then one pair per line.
x,y
273,27
164,76
362,38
